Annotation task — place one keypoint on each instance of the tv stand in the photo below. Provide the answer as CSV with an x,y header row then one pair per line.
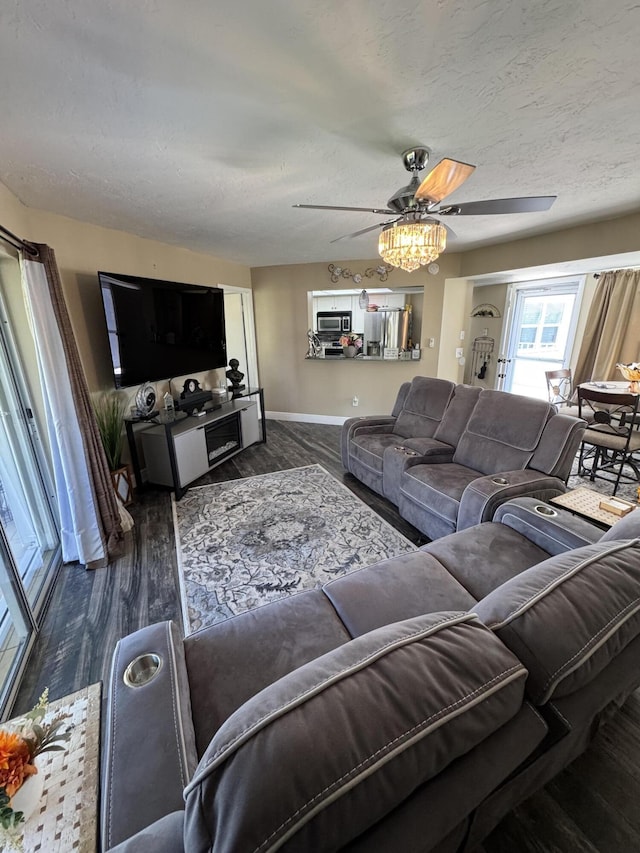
x,y
180,451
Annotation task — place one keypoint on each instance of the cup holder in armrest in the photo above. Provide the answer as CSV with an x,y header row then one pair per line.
x,y
547,511
405,450
500,481
142,670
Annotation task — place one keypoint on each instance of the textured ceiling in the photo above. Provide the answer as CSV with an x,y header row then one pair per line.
x,y
201,124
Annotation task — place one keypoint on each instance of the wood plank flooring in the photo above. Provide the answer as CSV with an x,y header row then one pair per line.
x,y
593,806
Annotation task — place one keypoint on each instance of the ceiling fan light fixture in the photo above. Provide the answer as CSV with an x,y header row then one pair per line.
x,y
409,245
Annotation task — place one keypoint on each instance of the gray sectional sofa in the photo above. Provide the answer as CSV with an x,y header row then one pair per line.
x,y
449,454
406,706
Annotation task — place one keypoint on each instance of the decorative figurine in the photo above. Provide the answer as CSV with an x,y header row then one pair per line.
x,y
234,376
314,349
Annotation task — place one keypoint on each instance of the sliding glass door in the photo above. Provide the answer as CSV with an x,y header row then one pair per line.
x,y
29,538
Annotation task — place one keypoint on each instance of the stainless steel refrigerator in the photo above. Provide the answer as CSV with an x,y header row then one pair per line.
x,y
386,328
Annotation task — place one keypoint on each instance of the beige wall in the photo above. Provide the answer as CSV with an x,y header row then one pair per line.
x,y
610,237
496,295
82,249
323,387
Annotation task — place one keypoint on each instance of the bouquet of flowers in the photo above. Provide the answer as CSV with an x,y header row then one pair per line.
x,y
351,340
20,743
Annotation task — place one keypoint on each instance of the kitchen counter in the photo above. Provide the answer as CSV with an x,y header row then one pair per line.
x,y
367,358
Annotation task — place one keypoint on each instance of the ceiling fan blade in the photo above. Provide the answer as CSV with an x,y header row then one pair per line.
x,y
364,230
530,204
443,180
385,211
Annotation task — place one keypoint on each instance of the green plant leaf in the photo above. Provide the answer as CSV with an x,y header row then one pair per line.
x,y
109,410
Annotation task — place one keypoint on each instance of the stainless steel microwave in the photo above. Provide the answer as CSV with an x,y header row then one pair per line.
x,y
333,321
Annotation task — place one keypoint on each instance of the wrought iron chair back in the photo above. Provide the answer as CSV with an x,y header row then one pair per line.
x,y
610,440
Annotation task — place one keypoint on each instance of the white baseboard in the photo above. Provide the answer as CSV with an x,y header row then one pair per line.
x,y
309,419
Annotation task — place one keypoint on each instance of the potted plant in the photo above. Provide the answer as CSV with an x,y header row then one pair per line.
x,y
110,410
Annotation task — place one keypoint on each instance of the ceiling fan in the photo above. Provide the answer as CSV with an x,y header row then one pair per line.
x,y
413,237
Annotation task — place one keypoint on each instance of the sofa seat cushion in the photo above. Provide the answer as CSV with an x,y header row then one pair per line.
x,y
568,617
229,662
405,453
333,747
438,487
483,557
369,449
395,589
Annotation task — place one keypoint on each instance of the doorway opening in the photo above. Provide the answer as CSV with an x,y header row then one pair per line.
x,y
240,330
539,333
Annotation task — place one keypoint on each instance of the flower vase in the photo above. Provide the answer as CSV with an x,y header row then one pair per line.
x,y
349,352
29,794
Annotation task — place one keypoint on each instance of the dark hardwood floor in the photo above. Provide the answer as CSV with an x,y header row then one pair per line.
x,y
593,806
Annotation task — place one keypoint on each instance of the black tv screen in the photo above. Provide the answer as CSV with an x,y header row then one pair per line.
x,y
161,329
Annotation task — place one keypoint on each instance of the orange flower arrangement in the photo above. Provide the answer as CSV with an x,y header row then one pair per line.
x,y
15,762
20,743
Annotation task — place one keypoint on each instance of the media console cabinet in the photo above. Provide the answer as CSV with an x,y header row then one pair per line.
x,y
180,451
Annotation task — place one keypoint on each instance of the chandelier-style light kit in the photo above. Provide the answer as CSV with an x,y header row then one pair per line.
x,y
414,238
411,243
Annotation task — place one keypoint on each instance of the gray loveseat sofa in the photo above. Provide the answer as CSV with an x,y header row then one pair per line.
x,y
449,454
406,706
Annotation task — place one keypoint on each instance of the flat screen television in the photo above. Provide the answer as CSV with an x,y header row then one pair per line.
x,y
161,329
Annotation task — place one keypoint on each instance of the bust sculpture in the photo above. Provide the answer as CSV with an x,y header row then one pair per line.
x,y
234,376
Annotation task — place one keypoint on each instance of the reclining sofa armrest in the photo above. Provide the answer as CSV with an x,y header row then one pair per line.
x,y
163,836
350,428
558,446
484,495
551,528
150,751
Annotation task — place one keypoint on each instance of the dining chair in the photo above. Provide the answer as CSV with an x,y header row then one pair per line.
x,y
610,439
560,390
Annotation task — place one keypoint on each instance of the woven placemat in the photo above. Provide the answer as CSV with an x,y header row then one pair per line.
x,y
67,818
586,502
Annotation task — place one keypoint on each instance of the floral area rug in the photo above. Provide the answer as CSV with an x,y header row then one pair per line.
x,y
247,542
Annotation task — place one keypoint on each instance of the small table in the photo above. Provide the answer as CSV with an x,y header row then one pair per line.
x,y
586,503
67,817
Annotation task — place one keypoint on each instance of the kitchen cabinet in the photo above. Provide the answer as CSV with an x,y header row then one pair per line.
x,y
390,300
333,303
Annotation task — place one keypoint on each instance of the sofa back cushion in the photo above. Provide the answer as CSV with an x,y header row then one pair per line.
x,y
457,415
569,616
331,748
503,432
423,408
401,397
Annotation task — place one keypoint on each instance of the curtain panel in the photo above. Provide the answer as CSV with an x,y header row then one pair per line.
x,y
612,331
89,514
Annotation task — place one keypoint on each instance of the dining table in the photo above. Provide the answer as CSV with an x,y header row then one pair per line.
x,y
618,387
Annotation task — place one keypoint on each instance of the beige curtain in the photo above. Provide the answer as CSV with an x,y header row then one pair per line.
x,y
94,548
612,332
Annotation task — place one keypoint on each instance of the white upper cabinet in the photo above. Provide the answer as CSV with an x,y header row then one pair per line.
x,y
333,303
390,300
